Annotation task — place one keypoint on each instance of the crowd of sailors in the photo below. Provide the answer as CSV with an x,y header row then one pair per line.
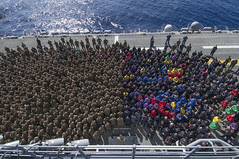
x,y
68,89
83,89
182,96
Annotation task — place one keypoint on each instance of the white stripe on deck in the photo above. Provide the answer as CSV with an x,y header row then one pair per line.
x,y
160,48
227,53
222,47
116,38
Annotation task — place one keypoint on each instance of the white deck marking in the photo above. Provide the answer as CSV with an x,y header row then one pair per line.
x,y
225,53
116,38
160,48
222,47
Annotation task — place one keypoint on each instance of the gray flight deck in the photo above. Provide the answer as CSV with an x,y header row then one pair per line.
x,y
228,42
228,45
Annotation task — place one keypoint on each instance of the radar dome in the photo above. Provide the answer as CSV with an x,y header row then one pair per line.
x,y
196,26
168,28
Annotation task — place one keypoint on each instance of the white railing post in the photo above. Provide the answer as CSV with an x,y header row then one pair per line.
x,y
133,151
193,151
82,153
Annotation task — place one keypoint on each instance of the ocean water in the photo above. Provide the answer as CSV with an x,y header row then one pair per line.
x,y
27,17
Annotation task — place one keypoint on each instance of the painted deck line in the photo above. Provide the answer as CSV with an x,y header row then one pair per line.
x,y
116,39
160,48
222,47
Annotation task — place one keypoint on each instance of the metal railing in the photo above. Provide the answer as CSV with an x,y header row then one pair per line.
x,y
217,149
130,32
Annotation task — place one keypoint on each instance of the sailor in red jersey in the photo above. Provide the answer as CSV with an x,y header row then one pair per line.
x,y
230,117
162,103
224,103
153,113
153,100
235,92
161,109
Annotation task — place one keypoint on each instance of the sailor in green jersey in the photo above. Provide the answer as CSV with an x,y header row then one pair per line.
x,y
228,111
214,125
235,108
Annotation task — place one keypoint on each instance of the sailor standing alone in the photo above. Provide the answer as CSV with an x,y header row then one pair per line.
x,y
151,42
213,50
168,40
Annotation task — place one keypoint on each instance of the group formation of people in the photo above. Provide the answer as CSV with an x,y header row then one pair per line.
x,y
82,89
182,96
68,89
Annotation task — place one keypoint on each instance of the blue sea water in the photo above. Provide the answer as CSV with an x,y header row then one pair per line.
x,y
26,17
